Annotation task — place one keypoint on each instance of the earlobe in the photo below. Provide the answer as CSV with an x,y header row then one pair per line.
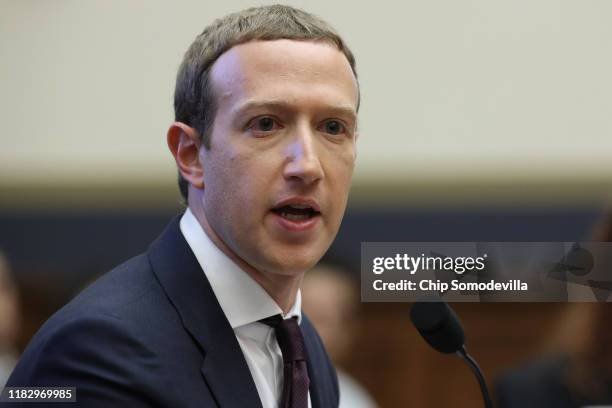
x,y
184,144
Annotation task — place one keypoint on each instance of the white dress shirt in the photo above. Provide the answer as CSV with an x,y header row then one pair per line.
x,y
244,303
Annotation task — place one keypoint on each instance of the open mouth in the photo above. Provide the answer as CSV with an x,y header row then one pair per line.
x,y
296,212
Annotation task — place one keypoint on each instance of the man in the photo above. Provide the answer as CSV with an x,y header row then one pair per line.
x,y
264,140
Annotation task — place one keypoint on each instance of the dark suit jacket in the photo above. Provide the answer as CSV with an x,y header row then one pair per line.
x,y
151,333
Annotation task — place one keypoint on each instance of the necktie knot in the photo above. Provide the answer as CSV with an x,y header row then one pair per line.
x,y
289,337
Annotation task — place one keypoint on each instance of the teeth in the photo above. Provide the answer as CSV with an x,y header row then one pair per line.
x,y
294,217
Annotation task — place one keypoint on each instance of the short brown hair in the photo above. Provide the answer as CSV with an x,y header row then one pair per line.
x,y
194,102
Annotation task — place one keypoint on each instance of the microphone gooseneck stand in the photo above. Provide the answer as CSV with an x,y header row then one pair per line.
x,y
462,352
440,327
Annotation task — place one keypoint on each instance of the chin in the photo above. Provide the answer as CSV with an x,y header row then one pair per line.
x,y
291,259
296,265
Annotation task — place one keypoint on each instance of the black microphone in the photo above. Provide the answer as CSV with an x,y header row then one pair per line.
x,y
441,329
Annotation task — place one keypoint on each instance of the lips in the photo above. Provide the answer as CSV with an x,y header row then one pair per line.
x,y
297,209
297,213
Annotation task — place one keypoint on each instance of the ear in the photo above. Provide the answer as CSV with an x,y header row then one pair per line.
x,y
184,143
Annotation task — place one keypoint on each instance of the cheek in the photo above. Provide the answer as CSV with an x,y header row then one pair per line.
x,y
239,184
345,157
221,169
340,173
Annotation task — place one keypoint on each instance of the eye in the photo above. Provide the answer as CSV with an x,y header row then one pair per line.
x,y
333,127
263,124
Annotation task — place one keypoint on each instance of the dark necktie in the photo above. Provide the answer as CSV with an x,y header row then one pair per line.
x,y
295,372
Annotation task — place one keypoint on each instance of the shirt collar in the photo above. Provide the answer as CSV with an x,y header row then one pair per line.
x,y
241,298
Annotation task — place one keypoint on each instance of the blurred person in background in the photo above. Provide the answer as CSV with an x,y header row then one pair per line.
x,y
331,299
9,321
577,369
575,373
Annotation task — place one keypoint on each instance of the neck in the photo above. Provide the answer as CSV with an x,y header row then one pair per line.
x,y
281,288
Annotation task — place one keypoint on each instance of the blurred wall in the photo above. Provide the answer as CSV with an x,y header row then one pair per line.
x,y
473,92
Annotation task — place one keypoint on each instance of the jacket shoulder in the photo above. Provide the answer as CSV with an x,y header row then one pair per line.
x,y
96,353
96,344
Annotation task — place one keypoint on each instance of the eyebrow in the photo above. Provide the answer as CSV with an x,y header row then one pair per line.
x,y
279,105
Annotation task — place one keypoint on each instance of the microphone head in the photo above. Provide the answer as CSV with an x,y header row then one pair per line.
x,y
439,325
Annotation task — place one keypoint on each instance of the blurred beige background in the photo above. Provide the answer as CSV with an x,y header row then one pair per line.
x,y
458,96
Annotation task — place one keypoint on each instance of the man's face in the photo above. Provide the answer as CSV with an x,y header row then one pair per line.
x,y
277,175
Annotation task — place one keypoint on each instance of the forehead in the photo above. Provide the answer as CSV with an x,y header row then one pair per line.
x,y
287,70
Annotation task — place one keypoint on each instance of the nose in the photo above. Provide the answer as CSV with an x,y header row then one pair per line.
x,y
303,161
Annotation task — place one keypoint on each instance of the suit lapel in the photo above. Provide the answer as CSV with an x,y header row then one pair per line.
x,y
321,389
224,368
